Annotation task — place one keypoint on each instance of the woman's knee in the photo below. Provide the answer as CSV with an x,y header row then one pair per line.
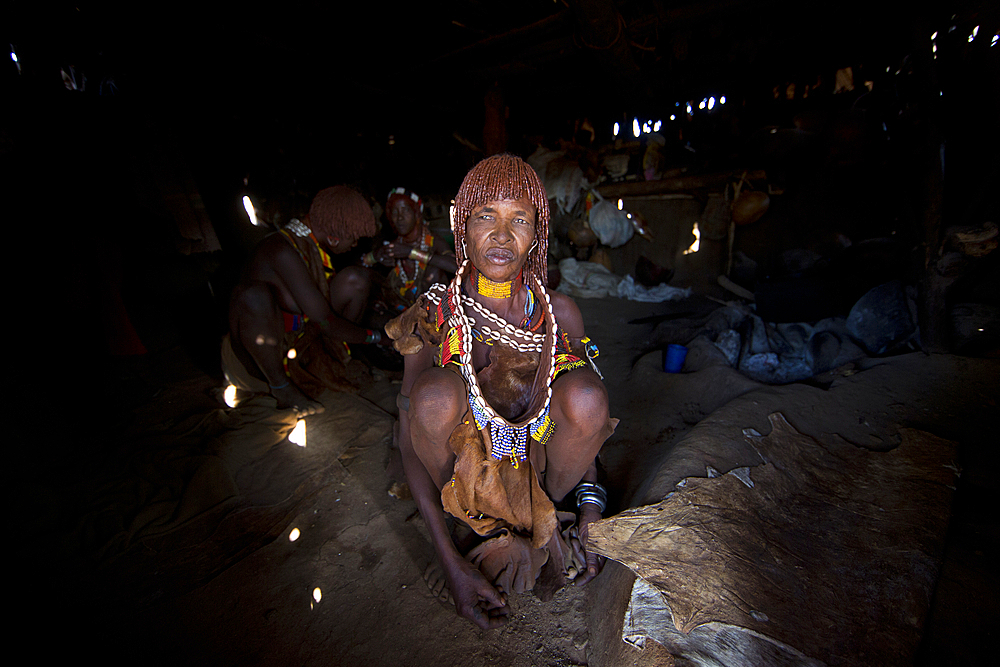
x,y
354,279
256,299
437,400
254,316
582,399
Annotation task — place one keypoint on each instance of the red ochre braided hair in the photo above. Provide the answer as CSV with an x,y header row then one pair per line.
x,y
500,177
339,211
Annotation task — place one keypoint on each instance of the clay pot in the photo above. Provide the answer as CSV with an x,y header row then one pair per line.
x,y
580,234
750,206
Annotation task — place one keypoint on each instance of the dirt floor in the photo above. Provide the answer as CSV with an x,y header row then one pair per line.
x,y
349,589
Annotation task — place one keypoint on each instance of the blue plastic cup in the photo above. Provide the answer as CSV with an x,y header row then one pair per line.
x,y
674,361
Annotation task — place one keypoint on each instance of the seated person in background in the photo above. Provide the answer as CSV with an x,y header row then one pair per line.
x,y
418,258
290,280
501,411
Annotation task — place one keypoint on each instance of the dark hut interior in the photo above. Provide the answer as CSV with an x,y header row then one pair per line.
x,y
799,175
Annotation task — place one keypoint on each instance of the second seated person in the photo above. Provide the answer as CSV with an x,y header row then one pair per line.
x,y
417,257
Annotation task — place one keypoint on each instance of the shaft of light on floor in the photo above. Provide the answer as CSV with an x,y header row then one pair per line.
x,y
298,434
697,240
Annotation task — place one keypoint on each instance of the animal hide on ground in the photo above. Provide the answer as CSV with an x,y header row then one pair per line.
x,y
828,552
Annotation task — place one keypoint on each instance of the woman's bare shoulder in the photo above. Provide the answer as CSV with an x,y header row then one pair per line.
x,y
567,313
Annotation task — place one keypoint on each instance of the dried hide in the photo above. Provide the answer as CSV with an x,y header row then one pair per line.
x,y
318,364
825,554
321,364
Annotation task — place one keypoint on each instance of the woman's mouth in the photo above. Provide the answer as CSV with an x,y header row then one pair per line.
x,y
499,255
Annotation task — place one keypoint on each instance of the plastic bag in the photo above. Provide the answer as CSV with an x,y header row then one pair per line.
x,y
611,225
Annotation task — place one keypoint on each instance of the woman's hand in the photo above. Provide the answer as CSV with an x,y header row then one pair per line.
x,y
383,255
475,598
588,515
390,252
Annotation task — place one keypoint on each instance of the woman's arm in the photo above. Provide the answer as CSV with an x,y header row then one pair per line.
x,y
295,278
475,598
439,258
571,321
444,261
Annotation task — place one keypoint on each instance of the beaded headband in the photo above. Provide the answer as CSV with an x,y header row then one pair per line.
x,y
405,194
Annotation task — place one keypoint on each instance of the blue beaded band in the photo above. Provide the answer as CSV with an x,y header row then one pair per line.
x,y
512,441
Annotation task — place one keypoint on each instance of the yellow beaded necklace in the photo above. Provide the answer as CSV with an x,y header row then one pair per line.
x,y
493,290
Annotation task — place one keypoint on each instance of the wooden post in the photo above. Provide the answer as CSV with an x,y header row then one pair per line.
x,y
495,122
932,311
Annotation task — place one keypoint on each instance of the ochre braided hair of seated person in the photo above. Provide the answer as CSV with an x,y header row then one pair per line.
x,y
501,177
341,211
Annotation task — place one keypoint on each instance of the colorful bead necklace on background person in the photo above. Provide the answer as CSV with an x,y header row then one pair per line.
x,y
299,228
508,440
408,284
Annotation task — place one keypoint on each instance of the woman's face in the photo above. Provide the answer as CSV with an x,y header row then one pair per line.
x,y
498,237
402,217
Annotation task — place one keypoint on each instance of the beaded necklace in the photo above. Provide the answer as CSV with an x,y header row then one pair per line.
x,y
324,255
408,283
508,440
530,341
488,288
299,229
494,290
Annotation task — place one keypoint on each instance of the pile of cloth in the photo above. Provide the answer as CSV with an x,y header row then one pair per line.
x,y
588,280
765,352
880,322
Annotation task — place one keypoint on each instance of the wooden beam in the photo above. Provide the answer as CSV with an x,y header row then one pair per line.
x,y
714,181
502,40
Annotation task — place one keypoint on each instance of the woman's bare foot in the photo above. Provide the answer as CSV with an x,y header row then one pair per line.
x,y
290,396
578,556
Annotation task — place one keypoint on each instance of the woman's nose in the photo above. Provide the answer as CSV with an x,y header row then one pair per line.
x,y
501,231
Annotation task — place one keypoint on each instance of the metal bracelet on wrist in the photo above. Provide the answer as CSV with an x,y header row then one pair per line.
x,y
591,492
